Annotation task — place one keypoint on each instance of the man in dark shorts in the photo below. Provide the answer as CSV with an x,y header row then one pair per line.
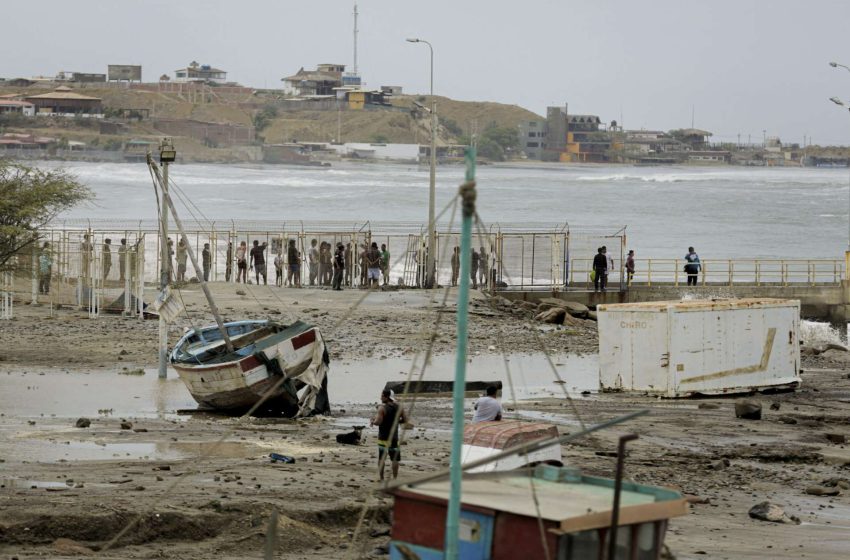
x,y
293,276
258,260
385,419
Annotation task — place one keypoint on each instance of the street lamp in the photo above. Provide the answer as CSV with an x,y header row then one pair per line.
x,y
432,190
167,155
841,103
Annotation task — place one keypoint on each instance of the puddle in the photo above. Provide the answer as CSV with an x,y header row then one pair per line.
x,y
52,452
73,394
20,484
362,382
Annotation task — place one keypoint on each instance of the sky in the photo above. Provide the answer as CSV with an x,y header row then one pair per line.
x,y
747,67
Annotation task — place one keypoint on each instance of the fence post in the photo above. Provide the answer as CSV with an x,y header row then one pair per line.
x,y
784,268
731,272
35,270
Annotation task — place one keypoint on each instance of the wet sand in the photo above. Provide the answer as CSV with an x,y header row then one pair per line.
x,y
67,491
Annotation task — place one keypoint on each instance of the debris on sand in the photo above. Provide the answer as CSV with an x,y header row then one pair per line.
x,y
747,409
767,511
822,491
83,423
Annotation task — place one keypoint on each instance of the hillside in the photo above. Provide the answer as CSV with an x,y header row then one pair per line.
x,y
399,123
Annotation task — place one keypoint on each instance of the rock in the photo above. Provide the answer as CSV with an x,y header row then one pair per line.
x,y
836,438
697,499
708,406
574,308
787,419
841,483
126,425
68,547
140,430
822,491
592,315
833,346
83,423
775,406
719,465
747,409
555,315
810,351
240,292
834,355
767,511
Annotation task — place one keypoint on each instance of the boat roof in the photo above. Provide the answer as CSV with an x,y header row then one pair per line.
x,y
504,434
563,495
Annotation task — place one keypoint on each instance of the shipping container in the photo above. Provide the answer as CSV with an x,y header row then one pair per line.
x,y
699,347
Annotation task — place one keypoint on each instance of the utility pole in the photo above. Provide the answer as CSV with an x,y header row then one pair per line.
x,y
355,39
167,154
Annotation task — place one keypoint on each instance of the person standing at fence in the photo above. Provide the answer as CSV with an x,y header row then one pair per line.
x,y
339,266
630,267
278,269
349,263
482,268
600,270
122,260
182,256
385,263
293,275
106,257
455,265
364,269
45,268
313,262
258,261
134,258
170,263
242,263
86,254
373,265
473,271
228,265
206,261
327,279
693,266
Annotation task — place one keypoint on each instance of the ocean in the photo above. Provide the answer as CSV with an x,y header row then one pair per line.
x,y
724,212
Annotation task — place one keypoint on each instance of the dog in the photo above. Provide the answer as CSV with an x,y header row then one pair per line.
x,y
353,437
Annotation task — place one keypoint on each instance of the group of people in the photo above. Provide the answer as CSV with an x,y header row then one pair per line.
x,y
326,266
480,272
603,263
46,258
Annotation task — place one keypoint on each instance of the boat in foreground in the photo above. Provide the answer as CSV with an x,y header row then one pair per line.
x,y
289,361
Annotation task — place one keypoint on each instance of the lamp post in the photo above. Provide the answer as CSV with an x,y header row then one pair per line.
x,y
167,154
432,186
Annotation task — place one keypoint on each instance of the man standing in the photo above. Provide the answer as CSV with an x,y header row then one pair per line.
x,y
600,270
455,265
339,266
373,265
228,266
386,420
107,257
206,258
182,255
630,267
473,271
692,267
258,261
170,261
385,263
313,261
488,408
86,250
293,276
363,265
45,268
122,259
482,269
349,263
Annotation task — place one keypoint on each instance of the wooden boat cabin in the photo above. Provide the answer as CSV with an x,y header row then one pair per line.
x,y
499,519
484,439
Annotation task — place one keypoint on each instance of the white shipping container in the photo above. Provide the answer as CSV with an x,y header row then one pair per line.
x,y
685,348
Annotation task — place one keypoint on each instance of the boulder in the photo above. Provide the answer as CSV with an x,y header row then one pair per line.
x,y
592,315
574,308
823,491
767,511
555,315
836,438
747,409
83,423
708,406
834,355
806,350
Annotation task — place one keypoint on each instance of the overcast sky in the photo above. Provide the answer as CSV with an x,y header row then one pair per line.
x,y
744,66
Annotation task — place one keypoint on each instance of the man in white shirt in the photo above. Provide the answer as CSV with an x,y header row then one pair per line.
x,y
488,408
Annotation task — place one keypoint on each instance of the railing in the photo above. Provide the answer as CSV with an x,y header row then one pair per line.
x,y
716,272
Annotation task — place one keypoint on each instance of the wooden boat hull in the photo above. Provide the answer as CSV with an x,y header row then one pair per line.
x,y
271,368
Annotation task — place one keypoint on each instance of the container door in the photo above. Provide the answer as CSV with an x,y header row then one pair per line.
x,y
476,536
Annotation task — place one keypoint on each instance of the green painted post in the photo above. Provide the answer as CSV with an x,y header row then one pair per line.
x,y
467,196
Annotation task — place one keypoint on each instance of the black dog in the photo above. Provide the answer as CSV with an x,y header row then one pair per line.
x,y
351,438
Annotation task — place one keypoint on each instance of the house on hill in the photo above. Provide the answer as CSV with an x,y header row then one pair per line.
x,y
66,103
321,81
200,73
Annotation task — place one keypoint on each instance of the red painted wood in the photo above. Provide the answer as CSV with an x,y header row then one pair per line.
x,y
419,522
249,363
303,339
517,536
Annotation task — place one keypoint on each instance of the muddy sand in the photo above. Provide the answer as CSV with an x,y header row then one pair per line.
x,y
192,485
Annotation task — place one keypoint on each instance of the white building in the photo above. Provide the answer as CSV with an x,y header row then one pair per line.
x,y
200,73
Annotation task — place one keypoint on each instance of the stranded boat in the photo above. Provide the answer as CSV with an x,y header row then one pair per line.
x,y
289,362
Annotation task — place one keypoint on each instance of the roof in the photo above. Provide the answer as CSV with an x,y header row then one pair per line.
x,y
64,95
201,69
694,132
504,434
699,304
313,76
563,495
14,103
584,119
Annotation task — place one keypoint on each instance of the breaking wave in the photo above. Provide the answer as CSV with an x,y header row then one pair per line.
x,y
816,333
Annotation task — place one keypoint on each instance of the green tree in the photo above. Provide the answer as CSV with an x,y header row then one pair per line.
x,y
379,139
506,137
264,117
29,199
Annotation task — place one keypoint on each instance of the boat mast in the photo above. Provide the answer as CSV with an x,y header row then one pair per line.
x,y
467,199
213,307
